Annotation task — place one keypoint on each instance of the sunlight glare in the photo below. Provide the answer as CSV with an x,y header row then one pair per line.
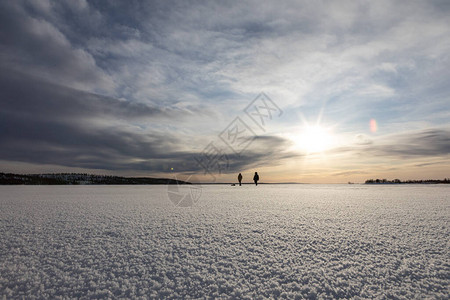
x,y
315,139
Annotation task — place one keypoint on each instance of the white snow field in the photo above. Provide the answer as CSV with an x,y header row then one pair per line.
x,y
270,241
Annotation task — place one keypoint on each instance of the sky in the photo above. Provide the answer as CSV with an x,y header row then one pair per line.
x,y
299,91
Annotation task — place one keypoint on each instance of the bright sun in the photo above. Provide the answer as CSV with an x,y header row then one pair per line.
x,y
314,139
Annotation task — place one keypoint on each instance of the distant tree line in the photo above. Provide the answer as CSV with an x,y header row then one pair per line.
x,y
398,181
79,178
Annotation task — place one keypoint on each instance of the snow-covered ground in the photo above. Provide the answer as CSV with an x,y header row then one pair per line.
x,y
290,241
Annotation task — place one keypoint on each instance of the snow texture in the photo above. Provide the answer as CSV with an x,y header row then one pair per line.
x,y
270,241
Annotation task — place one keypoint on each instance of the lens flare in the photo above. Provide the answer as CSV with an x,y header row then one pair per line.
x,y
373,125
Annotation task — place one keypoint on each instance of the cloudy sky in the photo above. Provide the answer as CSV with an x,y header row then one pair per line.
x,y
301,91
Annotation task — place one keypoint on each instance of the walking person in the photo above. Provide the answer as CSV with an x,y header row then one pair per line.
x,y
256,178
240,178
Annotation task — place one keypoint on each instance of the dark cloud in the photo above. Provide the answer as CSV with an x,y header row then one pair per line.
x,y
425,143
51,124
264,151
41,98
429,142
431,163
46,123
347,173
34,45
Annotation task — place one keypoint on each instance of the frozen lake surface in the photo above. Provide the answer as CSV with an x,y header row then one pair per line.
x,y
292,241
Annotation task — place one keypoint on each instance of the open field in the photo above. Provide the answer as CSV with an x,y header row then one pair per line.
x,y
290,241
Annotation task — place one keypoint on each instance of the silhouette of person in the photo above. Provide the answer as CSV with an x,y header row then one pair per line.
x,y
256,178
240,178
